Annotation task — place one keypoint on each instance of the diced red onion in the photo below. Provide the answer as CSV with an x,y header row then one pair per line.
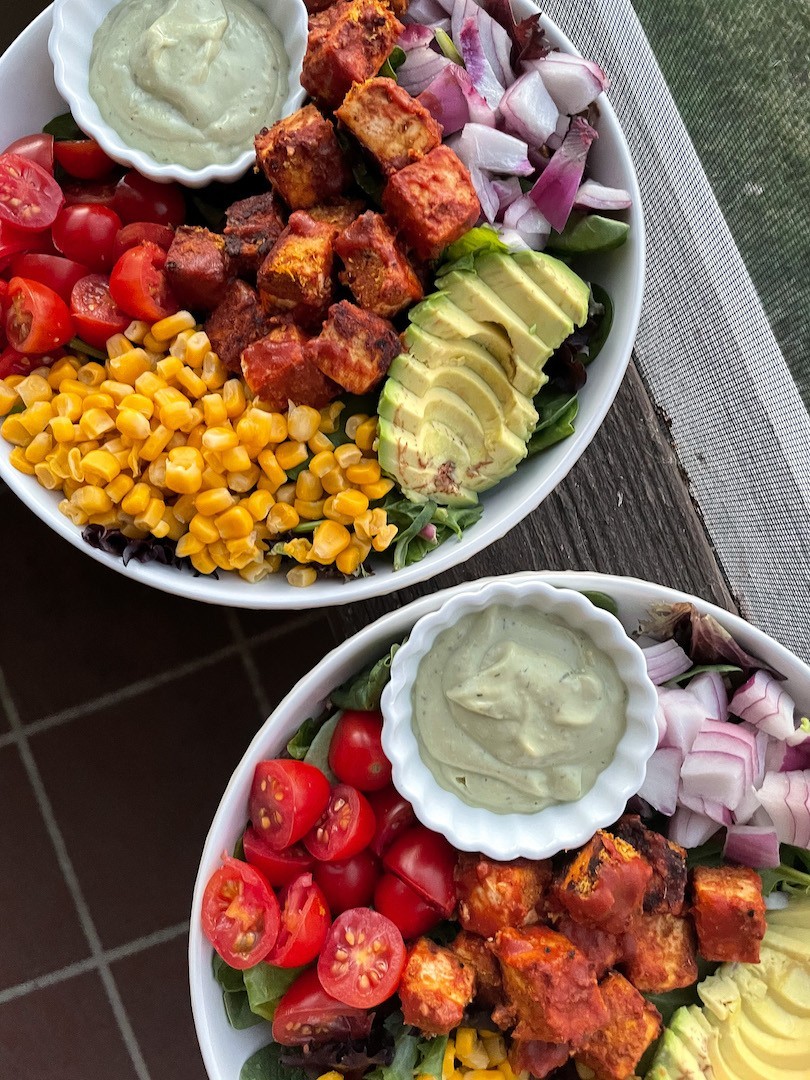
x,y
723,738
420,68
717,772
503,51
786,798
800,735
689,829
572,81
414,36
480,70
493,150
665,660
452,100
554,141
747,808
482,182
710,808
526,219
507,189
684,717
660,787
762,742
556,189
709,688
528,110
763,702
428,12
428,532
794,757
513,240
752,845
595,196
778,900
495,42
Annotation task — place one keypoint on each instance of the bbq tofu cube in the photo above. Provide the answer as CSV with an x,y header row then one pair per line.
x,y
302,160
536,1057
551,990
605,883
493,895
295,279
252,226
197,267
666,889
376,269
435,989
660,953
602,949
476,954
433,202
355,348
339,214
278,370
347,43
235,323
391,125
729,912
614,1050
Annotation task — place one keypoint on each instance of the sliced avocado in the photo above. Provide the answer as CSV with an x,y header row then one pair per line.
x,y
792,989
720,995
566,289
440,316
527,299
797,914
426,466
692,1033
674,1061
790,940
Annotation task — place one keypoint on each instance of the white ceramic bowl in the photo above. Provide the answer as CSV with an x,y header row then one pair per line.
x,y
30,99
561,825
224,1050
70,43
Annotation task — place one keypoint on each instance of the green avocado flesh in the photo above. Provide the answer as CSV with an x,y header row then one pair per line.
x,y
456,410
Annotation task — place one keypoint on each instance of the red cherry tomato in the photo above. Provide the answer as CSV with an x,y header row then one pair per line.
x,y
348,883
286,800
137,231
305,921
279,867
30,198
13,241
240,914
307,1013
346,827
355,753
393,814
37,318
139,199
37,147
86,233
139,284
404,907
90,193
95,314
83,158
425,861
54,271
15,363
362,959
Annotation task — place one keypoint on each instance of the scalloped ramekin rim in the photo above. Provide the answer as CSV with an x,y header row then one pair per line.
x,y
557,827
70,43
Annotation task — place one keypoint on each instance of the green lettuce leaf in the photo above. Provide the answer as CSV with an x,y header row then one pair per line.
x,y
557,411
302,740
411,518
393,63
266,985
364,691
266,1064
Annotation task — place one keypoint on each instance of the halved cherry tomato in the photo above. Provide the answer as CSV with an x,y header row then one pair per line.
x,y
86,233
355,753
286,799
13,241
139,284
240,914
37,318
307,1013
95,313
90,193
404,907
348,883
137,231
279,867
83,158
393,814
56,272
16,363
362,959
346,827
305,921
37,147
30,198
138,198
425,861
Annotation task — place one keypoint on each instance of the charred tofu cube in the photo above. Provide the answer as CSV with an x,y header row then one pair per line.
x,y
602,949
302,160
435,989
235,323
666,889
550,988
729,912
492,895
355,348
376,269
339,214
660,953
536,1057
613,1051
197,267
476,954
604,885
387,122
347,43
278,370
295,280
252,226
432,202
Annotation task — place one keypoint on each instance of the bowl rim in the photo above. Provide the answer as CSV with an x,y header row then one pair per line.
x,y
563,824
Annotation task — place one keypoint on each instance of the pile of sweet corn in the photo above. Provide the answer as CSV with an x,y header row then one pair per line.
x,y
162,440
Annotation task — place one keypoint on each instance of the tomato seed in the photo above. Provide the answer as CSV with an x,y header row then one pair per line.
x,y
349,935
364,981
341,954
338,805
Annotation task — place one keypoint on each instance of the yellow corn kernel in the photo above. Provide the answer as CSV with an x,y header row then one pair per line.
x,y
366,434
20,462
319,443
182,477
149,383
34,388
331,1076
495,1048
214,501
309,509
245,480
95,422
129,366
13,380
197,346
161,529
483,1074
39,447
133,424
282,518
169,367
236,459
322,463
175,528
87,445
137,500
214,410
73,386
14,431
286,493
68,405
350,558
179,346
202,562
351,502
329,417
67,508
378,490
63,369
302,576
8,398
219,439
168,395
363,527
379,519
193,420
46,477
328,540
302,422
119,344
308,486
366,471
116,391
100,467
212,478
242,551
120,486
58,460
139,403
156,473
255,429
91,373
213,371
353,423
152,345
258,504
299,549
203,528
97,400
384,537
470,1050
255,572
156,443
150,517
74,462
233,395
91,500
61,429
185,508
334,481
167,328
69,487
36,417
271,468
234,523
330,512
191,382
189,544
348,454
220,554
290,454
175,414
135,332
449,1060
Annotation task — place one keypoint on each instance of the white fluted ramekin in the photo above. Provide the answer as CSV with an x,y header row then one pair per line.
x,y
71,42
561,825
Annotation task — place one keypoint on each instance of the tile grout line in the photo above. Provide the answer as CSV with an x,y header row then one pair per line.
x,y
249,664
72,882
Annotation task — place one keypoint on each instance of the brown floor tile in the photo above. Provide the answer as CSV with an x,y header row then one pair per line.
x,y
134,788
284,660
260,622
35,940
154,988
103,630
64,1032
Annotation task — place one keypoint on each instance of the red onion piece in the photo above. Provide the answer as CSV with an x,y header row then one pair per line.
x,y
723,738
420,68
514,240
689,829
710,808
495,42
452,100
786,798
714,774
482,182
493,150
665,660
747,809
794,757
777,901
684,716
507,189
480,70
710,690
429,12
660,787
762,742
526,219
428,532
752,845
764,703
556,189
414,36
595,196
572,81
528,110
